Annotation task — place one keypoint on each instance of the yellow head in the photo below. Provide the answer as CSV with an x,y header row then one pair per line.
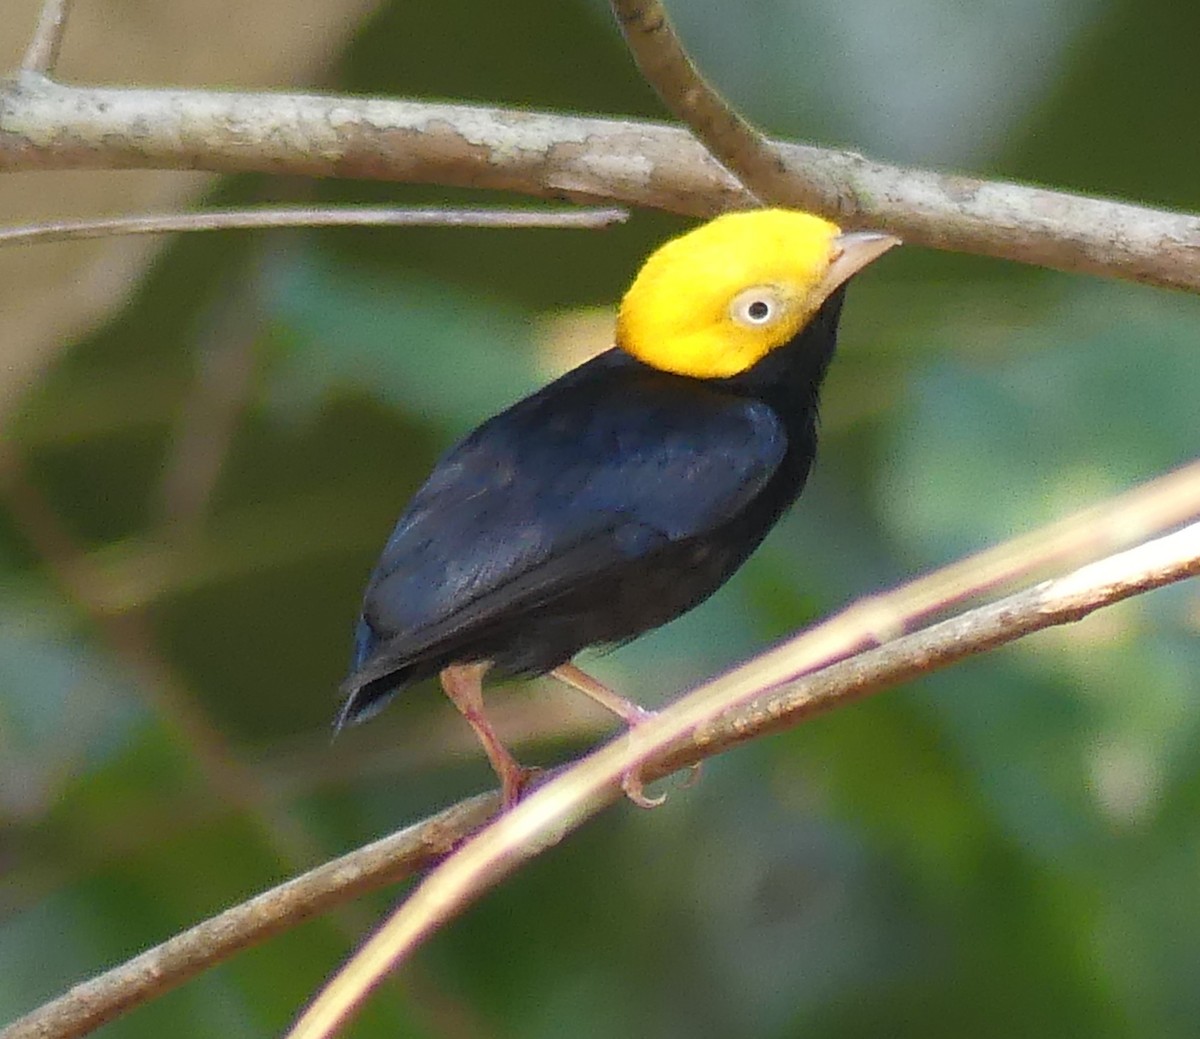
x,y
715,301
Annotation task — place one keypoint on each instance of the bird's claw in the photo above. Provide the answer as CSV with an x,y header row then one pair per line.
x,y
635,790
513,785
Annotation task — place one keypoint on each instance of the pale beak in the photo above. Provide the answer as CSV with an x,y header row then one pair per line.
x,y
852,252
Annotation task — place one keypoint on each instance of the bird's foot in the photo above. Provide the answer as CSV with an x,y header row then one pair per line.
x,y
628,711
632,714
631,782
464,685
513,782
635,789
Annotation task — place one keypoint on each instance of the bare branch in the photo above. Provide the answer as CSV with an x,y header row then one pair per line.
x,y
101,999
779,698
568,800
668,69
307,216
43,125
47,126
1148,509
42,53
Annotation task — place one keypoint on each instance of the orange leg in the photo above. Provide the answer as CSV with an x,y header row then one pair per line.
x,y
463,683
629,712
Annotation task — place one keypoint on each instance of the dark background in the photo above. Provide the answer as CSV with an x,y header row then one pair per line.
x,y
1009,848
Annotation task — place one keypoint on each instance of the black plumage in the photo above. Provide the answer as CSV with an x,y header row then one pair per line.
x,y
608,503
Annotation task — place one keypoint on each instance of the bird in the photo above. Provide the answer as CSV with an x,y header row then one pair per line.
x,y
627,491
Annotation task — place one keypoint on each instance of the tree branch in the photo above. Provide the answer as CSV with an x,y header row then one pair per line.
x,y
667,67
101,999
47,126
564,803
309,216
42,54
779,700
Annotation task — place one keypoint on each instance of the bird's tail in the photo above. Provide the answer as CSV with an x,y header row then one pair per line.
x,y
369,687
366,699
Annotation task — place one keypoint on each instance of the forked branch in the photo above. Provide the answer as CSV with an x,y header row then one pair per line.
x,y
44,125
666,66
42,53
772,698
569,799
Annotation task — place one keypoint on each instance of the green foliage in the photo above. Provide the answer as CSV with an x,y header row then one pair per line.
x,y
1008,848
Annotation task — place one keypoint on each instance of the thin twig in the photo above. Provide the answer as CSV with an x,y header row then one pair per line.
x,y
666,66
44,125
221,390
310,216
564,803
1057,230
101,999
1155,506
1140,513
42,54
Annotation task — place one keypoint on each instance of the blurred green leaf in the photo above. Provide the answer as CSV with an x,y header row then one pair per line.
x,y
1005,849
1099,395
418,346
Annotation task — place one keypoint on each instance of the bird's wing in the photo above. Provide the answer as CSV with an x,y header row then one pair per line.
x,y
558,489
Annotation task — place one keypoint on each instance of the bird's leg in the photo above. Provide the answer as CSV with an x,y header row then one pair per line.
x,y
463,683
629,712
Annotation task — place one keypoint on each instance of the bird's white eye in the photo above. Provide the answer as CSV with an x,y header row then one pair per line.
x,y
755,307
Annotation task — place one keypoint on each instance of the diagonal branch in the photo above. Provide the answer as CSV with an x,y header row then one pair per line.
x,y
42,54
107,996
575,795
47,126
308,216
667,67
1158,505
43,125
